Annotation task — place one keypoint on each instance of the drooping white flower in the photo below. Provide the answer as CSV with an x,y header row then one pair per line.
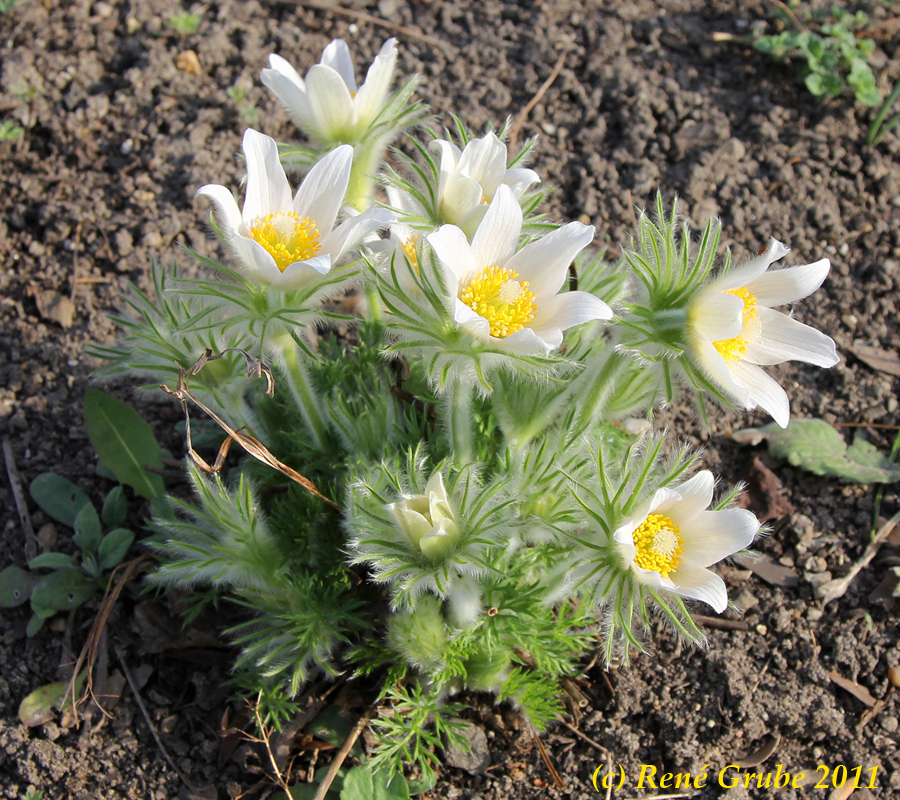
x,y
328,105
428,520
469,179
670,542
735,331
287,242
511,296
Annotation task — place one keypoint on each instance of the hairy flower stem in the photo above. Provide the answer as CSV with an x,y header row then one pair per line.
x,y
367,158
300,385
594,388
458,399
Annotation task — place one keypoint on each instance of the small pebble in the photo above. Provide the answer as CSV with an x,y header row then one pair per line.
x,y
889,723
894,676
762,630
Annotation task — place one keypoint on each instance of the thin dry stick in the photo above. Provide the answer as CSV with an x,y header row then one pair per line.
x,y
339,759
722,624
15,482
786,9
588,739
557,780
143,708
265,740
523,114
252,445
89,651
75,261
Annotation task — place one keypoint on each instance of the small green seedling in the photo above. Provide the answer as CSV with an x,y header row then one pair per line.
x,y
247,110
880,127
10,132
71,581
184,23
832,59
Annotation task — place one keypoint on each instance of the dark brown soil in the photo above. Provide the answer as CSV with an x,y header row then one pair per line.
x,y
117,139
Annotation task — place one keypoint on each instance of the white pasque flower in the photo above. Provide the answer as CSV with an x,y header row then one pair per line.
x,y
428,520
469,179
509,296
669,543
735,331
285,242
328,104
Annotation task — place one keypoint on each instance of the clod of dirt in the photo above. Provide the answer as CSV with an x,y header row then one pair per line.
x,y
55,307
478,759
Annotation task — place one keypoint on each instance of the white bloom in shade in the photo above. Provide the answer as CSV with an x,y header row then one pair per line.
x,y
671,541
328,104
509,296
285,242
469,179
428,520
735,331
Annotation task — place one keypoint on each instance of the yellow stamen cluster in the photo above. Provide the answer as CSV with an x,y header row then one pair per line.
x,y
287,237
503,300
409,247
734,349
659,544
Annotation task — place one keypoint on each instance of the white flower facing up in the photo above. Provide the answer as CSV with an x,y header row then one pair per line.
x,y
735,331
328,104
671,541
428,520
287,242
510,297
469,179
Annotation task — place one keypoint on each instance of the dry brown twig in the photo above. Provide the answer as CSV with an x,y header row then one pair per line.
x,y
339,759
257,369
15,482
523,114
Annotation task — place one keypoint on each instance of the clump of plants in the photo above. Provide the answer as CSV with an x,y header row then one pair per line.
x,y
428,379
831,54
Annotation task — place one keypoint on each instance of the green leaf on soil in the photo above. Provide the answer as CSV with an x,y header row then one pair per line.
x,y
35,624
37,708
87,529
62,590
307,791
52,561
814,445
362,784
115,508
113,547
124,442
16,585
59,498
333,725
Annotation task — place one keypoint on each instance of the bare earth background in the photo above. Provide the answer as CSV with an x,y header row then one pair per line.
x,y
118,137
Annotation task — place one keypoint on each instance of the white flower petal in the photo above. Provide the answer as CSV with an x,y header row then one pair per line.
x,y
302,273
322,192
714,535
484,160
228,215
762,391
372,95
755,267
455,253
285,69
716,369
469,321
256,261
520,180
460,196
337,56
526,341
698,583
448,158
268,190
784,339
330,103
497,236
564,311
696,494
293,95
782,286
545,262
352,232
717,315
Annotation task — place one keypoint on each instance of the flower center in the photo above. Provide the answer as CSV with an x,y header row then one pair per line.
x,y
502,299
287,237
409,247
659,544
734,349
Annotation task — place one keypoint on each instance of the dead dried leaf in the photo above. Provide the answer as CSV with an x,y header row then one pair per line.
x,y
188,62
756,757
844,792
765,492
767,568
861,693
886,361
